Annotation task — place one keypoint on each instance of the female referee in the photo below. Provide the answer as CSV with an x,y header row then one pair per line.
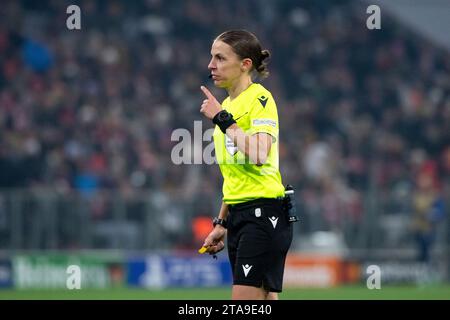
x,y
246,146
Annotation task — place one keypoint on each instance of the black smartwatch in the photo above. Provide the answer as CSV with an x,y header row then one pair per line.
x,y
223,119
222,222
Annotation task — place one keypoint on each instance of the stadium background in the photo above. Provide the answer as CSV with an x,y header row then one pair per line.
x,y
86,175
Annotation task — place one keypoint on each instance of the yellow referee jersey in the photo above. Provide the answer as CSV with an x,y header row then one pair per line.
x,y
254,111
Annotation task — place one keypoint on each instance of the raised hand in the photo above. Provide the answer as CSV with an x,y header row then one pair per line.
x,y
210,106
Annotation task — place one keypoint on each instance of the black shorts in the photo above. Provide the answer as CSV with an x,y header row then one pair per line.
x,y
259,237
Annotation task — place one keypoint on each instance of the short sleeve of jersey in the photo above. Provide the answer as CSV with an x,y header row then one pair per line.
x,y
264,116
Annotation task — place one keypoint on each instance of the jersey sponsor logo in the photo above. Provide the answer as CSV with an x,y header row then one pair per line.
x,y
263,100
229,145
264,122
274,221
246,269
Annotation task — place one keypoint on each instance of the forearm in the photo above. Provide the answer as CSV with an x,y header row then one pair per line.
x,y
253,147
223,214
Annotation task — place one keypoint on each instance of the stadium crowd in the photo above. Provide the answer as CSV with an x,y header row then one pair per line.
x,y
92,109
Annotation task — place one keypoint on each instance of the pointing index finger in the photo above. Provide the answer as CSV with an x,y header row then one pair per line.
x,y
207,93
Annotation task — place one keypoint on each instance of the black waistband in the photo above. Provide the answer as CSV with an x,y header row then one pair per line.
x,y
254,203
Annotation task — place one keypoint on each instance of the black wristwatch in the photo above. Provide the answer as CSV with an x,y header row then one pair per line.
x,y
222,222
224,116
223,119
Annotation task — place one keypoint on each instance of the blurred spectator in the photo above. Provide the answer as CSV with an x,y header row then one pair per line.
x,y
428,210
95,109
37,56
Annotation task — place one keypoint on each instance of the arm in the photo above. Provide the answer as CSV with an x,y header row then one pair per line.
x,y
255,147
214,241
223,213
